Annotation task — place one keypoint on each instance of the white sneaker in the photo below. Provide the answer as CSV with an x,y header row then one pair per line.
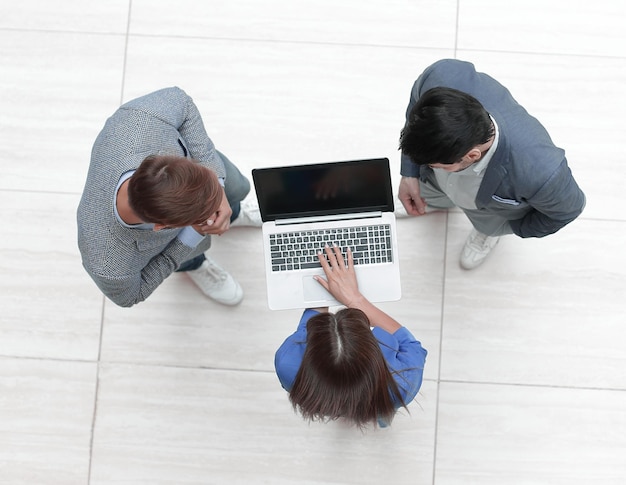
x,y
477,247
216,283
249,214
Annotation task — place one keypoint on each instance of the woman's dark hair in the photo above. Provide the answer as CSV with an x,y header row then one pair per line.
x,y
343,372
174,191
443,126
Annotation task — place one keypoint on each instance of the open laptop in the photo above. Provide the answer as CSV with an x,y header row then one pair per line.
x,y
304,207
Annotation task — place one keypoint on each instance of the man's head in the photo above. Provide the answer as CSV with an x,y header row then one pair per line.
x,y
173,191
444,126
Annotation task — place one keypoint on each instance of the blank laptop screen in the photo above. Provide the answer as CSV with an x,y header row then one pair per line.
x,y
324,189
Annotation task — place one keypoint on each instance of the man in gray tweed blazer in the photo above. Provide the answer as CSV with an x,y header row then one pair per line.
x,y
155,192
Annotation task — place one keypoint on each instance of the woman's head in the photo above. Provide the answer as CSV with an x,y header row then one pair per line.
x,y
173,191
343,372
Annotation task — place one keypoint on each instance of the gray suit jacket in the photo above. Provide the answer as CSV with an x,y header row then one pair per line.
x,y
128,264
528,181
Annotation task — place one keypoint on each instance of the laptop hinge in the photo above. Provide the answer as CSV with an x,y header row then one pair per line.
x,y
334,217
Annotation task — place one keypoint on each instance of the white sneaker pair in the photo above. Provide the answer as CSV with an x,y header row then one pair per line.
x,y
216,283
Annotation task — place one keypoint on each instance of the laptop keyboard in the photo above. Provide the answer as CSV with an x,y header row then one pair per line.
x,y
296,250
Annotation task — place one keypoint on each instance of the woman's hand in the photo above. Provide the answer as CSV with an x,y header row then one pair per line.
x,y
341,283
340,277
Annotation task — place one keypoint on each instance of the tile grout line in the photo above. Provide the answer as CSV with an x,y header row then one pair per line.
x,y
443,290
96,391
125,62
440,359
526,385
102,314
455,47
457,21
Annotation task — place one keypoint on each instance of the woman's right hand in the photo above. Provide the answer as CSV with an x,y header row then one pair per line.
x,y
341,283
340,276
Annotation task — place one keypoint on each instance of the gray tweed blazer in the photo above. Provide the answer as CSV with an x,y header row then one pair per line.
x,y
128,264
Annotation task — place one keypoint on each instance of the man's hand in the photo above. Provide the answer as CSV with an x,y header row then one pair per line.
x,y
409,195
219,222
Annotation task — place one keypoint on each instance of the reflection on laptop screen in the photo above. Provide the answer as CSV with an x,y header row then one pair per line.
x,y
326,188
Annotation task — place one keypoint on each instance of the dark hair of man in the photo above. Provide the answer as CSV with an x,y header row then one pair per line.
x,y
443,126
173,191
343,372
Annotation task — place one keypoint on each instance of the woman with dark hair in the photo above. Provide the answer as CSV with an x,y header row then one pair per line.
x,y
359,364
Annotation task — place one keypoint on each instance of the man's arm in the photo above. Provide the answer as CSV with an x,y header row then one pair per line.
x,y
407,167
557,203
408,190
128,289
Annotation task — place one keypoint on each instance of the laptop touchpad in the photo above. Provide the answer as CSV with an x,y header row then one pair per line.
x,y
313,291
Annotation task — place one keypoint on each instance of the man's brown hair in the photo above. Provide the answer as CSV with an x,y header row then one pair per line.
x,y
173,191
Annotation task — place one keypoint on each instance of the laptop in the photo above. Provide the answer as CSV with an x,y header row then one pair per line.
x,y
305,207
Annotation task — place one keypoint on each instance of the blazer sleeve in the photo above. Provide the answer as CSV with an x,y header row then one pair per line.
x,y
407,167
557,203
132,282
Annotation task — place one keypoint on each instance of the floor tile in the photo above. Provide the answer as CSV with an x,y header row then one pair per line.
x,y
575,28
48,128
530,435
421,244
65,15
539,311
163,425
45,431
378,22
50,307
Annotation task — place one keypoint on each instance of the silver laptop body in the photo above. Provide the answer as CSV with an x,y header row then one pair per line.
x,y
305,207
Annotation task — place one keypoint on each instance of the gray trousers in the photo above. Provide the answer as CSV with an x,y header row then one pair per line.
x,y
483,221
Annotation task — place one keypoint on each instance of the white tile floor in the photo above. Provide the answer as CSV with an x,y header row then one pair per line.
x,y
526,374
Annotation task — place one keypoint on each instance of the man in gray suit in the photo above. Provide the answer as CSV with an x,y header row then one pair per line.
x,y
156,190
467,143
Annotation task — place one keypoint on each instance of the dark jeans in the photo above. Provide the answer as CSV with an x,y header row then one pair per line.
x,y
191,264
236,187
